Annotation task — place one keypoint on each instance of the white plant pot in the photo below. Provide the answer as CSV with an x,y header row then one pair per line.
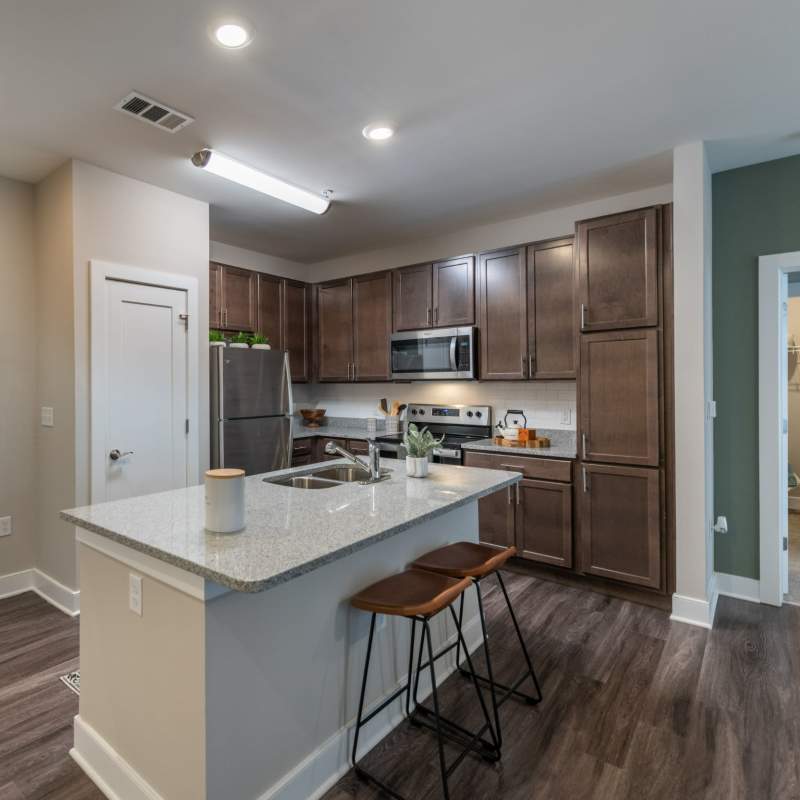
x,y
216,344
239,345
416,467
261,347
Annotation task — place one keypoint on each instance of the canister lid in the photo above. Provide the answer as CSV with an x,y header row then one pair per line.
x,y
222,474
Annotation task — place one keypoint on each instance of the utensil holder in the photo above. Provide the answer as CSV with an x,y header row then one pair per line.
x,y
392,424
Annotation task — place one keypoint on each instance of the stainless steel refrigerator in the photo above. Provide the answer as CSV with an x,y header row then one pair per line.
x,y
251,409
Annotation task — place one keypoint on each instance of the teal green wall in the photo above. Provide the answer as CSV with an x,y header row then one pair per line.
x,y
756,211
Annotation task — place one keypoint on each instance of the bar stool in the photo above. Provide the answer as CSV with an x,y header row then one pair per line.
x,y
474,562
419,595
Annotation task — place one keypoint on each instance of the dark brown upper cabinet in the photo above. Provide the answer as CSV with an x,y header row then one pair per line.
x,y
551,309
335,330
295,327
621,524
372,303
438,295
214,295
544,522
238,291
454,292
270,317
619,397
353,326
618,270
502,315
413,297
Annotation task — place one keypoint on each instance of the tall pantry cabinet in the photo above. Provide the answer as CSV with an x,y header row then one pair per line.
x,y
624,396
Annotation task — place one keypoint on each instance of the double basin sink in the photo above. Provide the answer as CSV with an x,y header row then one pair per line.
x,y
326,477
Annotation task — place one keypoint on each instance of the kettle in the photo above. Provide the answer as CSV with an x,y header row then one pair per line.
x,y
511,430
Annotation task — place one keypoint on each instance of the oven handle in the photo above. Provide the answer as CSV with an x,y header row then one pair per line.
x,y
453,365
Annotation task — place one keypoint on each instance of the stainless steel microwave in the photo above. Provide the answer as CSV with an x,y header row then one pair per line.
x,y
442,354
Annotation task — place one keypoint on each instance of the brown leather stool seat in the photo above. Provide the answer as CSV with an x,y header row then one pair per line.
x,y
413,593
465,559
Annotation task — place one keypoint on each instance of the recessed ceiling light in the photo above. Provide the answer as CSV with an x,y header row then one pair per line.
x,y
233,35
378,131
226,167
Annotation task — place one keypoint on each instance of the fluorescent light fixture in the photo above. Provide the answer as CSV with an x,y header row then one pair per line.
x,y
231,33
226,167
378,131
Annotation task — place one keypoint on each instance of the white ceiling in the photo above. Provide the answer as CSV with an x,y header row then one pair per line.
x,y
502,107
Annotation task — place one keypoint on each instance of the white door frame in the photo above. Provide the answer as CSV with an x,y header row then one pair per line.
x,y
773,470
99,273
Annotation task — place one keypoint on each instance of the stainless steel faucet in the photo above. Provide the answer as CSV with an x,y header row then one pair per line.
x,y
372,465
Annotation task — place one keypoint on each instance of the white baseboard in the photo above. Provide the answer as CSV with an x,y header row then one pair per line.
x,y
308,780
739,587
34,580
107,769
694,610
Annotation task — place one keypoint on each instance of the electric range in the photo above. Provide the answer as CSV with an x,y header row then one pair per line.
x,y
458,424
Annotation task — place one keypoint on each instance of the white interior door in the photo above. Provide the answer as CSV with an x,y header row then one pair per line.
x,y
144,413
783,512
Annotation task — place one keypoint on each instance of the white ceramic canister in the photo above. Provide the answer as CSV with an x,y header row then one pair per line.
x,y
225,500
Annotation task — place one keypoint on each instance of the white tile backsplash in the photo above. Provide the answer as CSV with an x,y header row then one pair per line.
x,y
542,401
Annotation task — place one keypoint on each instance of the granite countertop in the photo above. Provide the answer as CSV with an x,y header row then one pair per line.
x,y
562,445
289,531
333,430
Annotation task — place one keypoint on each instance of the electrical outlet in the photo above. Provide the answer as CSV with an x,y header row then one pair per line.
x,y
47,417
5,526
135,593
566,416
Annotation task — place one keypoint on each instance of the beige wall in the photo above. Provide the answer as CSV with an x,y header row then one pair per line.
x,y
18,343
128,222
55,447
261,262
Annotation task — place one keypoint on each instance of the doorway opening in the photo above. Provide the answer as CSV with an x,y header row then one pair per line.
x,y
792,593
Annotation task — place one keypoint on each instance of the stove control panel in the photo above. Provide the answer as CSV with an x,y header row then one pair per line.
x,y
450,415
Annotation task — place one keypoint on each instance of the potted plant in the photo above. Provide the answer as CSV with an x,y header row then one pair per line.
x,y
241,340
216,339
419,445
259,342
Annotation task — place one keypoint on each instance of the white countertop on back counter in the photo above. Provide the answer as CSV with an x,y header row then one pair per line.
x,y
289,531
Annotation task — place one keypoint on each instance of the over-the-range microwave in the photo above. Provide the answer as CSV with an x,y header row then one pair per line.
x,y
434,355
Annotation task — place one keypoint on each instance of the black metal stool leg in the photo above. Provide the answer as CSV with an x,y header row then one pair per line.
x,y
440,740
532,672
363,689
410,669
490,675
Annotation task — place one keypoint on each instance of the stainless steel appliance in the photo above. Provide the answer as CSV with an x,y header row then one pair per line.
x,y
434,355
251,409
458,425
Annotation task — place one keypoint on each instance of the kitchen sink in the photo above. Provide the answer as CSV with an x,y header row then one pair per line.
x,y
325,477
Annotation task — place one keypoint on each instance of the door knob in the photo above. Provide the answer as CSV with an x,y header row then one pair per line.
x,y
116,455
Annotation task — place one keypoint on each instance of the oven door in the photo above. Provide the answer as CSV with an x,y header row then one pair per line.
x,y
445,354
447,455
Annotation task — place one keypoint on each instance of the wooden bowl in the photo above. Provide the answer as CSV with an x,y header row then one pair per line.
x,y
312,416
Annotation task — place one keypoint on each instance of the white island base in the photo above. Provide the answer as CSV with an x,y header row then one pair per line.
x,y
228,695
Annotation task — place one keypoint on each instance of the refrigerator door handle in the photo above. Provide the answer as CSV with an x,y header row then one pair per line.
x,y
290,408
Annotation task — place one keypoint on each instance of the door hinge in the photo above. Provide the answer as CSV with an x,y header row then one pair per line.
x,y
785,426
184,318
785,542
187,426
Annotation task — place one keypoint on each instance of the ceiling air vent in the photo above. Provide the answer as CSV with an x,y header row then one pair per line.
x,y
154,112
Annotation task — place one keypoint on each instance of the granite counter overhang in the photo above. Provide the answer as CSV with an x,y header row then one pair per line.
x,y
289,532
559,449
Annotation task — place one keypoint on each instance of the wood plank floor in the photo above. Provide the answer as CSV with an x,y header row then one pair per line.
x,y
635,706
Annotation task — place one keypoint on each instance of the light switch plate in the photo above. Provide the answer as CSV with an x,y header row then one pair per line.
x,y
47,417
135,593
5,526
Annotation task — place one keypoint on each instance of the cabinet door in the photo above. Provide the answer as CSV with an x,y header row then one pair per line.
x,y
551,309
503,316
335,330
372,303
544,522
413,297
295,338
620,524
496,518
454,292
269,322
618,270
239,288
214,296
619,416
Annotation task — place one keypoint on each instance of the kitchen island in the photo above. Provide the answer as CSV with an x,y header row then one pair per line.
x,y
228,666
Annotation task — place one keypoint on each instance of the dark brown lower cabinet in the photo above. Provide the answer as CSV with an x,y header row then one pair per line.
x,y
496,518
303,452
620,510
544,522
